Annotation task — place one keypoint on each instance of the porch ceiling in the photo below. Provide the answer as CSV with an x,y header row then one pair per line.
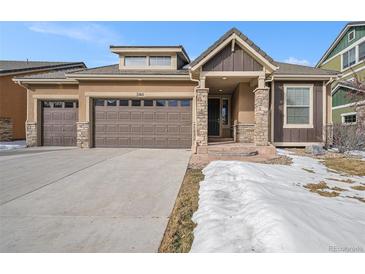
x,y
225,85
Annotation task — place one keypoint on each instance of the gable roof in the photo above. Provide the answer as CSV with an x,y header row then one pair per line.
x,y
292,69
13,67
226,36
338,39
348,85
56,74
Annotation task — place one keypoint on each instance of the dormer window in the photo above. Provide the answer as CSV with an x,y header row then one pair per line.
x,y
160,61
135,61
351,36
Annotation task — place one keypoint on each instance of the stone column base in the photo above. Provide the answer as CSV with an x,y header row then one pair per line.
x,y
244,133
6,129
31,134
329,135
201,137
261,135
83,134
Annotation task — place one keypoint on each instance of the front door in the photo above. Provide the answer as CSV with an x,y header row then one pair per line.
x,y
214,117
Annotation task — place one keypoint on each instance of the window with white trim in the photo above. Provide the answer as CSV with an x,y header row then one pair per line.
x,y
135,61
298,105
349,58
362,51
163,61
349,118
351,36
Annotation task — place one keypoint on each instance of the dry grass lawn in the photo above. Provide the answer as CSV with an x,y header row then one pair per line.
x,y
321,189
346,165
179,236
361,188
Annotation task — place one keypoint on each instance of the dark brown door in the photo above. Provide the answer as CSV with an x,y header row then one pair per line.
x,y
158,123
59,123
213,117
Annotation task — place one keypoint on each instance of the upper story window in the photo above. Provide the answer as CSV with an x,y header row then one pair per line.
x,y
351,36
298,109
362,51
160,61
135,61
349,58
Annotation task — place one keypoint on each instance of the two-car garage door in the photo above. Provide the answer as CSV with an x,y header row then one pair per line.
x,y
152,123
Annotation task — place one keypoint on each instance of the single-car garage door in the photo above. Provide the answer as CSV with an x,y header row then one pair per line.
x,y
159,123
59,123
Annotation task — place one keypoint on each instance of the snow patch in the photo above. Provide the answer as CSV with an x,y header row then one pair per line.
x,y
251,207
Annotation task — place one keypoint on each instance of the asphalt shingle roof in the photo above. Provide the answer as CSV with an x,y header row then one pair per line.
x,y
57,74
7,66
291,69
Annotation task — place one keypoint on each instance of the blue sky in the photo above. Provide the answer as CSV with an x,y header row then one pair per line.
x,y
295,42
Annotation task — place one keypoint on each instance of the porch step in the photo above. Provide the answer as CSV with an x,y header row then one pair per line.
x,y
232,153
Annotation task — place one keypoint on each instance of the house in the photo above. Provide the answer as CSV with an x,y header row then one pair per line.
x,y
347,55
155,97
13,97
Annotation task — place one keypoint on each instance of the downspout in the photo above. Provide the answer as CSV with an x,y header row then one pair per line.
x,y
195,107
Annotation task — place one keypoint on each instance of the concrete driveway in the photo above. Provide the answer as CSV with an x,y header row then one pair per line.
x,y
90,200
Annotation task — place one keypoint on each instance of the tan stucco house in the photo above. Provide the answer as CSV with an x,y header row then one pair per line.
x,y
13,97
157,97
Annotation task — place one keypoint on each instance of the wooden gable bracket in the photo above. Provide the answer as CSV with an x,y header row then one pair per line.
x,y
233,44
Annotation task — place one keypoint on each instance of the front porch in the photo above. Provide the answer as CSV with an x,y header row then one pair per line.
x,y
232,108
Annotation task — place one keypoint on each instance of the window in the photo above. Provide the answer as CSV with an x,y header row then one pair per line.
x,y
160,60
135,61
351,36
99,102
224,114
46,104
148,103
348,58
362,51
172,103
136,103
298,107
123,103
57,104
349,118
185,103
160,103
69,104
111,103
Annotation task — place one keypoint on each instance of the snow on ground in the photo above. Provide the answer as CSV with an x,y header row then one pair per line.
x,y
359,153
251,207
12,145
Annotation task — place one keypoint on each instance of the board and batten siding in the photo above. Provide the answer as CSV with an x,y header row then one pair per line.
x,y
228,60
298,135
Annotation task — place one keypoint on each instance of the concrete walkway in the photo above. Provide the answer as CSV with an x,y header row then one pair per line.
x,y
91,200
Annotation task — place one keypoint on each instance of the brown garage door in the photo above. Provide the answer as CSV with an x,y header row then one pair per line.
x,y
59,123
143,123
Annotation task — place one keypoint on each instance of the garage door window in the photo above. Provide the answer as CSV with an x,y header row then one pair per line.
x,y
99,102
46,104
185,103
148,103
57,104
69,104
172,103
124,103
136,103
111,103
160,103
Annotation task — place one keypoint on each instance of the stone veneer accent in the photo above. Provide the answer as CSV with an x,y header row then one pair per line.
x,y
31,134
329,135
245,133
261,134
201,137
83,134
6,129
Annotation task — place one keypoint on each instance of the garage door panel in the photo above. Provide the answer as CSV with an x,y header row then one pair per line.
x,y
59,124
149,126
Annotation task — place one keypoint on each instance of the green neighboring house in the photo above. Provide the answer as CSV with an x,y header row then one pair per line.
x,y
347,55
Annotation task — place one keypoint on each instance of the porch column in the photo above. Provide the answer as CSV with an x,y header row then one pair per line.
x,y
202,120
261,134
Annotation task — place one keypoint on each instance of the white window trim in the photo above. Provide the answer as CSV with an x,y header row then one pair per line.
x,y
347,114
358,53
356,58
348,36
310,124
132,56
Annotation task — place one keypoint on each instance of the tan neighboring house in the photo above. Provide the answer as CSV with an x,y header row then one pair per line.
x,y
155,97
13,97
